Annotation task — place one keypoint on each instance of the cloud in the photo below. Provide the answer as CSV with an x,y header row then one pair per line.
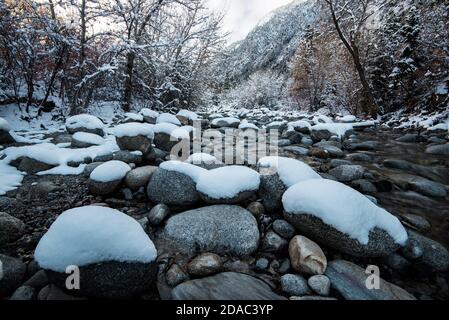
x,y
243,15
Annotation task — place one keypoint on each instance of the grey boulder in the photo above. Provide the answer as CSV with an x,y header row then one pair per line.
x,y
225,286
11,228
13,272
220,229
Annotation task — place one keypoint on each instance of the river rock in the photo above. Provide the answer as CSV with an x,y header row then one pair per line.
x,y
24,293
204,265
434,254
306,256
273,243
221,229
271,190
320,284
225,286
33,166
442,149
346,173
139,177
158,214
284,229
349,280
175,275
13,272
298,151
172,188
11,228
294,285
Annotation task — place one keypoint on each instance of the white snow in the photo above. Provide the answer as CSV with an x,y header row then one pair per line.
x,y
300,124
134,129
84,121
168,118
228,182
229,121
149,113
90,138
64,170
173,130
190,115
441,126
343,208
134,117
321,118
187,169
347,119
54,155
290,171
4,125
245,125
338,129
200,158
110,171
90,235
10,178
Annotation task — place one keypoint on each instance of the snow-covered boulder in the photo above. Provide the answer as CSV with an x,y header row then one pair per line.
x,y
86,140
347,119
246,125
168,135
135,137
277,175
149,115
228,122
228,185
338,216
139,177
187,117
133,117
221,229
106,178
174,184
324,131
115,257
301,126
204,160
85,123
5,136
168,118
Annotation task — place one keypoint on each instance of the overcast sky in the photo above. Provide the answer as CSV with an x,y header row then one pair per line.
x,y
243,15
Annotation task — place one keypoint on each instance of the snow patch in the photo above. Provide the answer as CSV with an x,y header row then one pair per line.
x,y
194,172
90,138
10,178
84,121
168,118
134,129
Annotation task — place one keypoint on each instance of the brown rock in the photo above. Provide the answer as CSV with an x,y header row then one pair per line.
x,y
306,256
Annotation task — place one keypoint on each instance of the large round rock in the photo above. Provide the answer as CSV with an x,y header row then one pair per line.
x,y
339,217
114,256
12,274
11,228
220,229
172,188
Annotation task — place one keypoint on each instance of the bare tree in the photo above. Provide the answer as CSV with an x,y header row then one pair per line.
x,y
349,17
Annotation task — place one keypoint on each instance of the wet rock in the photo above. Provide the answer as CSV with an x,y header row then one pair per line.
x,y
273,243
221,229
271,191
411,138
256,208
225,286
103,188
364,186
359,157
320,284
319,153
347,173
334,163
284,229
349,280
294,285
412,250
205,265
139,177
435,255
158,214
306,256
333,151
13,273
442,150
362,146
396,262
262,264
416,222
319,135
11,228
427,187
175,275
298,151
24,293
172,188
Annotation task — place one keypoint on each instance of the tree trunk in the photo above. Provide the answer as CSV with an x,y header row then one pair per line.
x,y
128,86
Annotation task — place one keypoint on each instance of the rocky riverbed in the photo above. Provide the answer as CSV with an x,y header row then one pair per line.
x,y
241,242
